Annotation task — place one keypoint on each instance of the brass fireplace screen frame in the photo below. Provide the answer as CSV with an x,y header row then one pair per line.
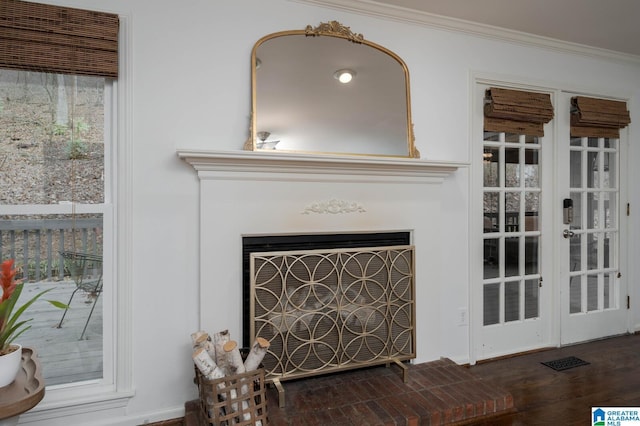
x,y
330,310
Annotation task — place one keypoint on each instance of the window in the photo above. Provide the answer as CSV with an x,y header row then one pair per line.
x,y
65,45
55,200
58,71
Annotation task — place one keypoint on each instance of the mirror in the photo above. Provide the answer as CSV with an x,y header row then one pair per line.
x,y
299,105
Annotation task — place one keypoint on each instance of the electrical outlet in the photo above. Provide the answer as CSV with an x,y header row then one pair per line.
x,y
462,316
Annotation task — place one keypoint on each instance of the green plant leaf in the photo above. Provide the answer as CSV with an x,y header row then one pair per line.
x,y
58,304
10,334
10,326
24,307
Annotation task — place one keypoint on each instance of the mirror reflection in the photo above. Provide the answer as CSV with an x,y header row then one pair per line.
x,y
327,90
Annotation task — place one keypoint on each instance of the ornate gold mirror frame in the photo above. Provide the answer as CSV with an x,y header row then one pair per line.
x,y
299,105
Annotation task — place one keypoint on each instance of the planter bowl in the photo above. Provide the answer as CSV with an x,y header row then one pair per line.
x,y
10,366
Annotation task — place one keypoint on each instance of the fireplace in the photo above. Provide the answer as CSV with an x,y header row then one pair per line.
x,y
329,302
254,194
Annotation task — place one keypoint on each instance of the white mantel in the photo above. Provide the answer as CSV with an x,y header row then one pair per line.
x,y
276,162
248,193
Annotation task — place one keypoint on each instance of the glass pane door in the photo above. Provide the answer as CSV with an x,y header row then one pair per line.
x,y
593,294
511,306
512,316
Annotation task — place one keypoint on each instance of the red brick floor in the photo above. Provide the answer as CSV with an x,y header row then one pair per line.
x,y
436,393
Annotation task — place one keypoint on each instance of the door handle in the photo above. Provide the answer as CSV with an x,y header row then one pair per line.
x,y
567,233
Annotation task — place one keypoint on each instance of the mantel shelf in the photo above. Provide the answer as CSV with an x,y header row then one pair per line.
x,y
253,162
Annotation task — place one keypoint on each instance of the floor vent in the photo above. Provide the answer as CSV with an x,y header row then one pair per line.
x,y
565,363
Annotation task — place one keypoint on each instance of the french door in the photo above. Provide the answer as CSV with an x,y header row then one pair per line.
x,y
549,276
513,302
593,291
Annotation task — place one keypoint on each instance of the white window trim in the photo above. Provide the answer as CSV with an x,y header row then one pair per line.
x,y
111,394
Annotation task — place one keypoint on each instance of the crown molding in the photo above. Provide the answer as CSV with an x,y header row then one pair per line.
x,y
416,17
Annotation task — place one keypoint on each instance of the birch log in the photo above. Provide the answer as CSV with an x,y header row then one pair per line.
x,y
234,358
196,335
207,367
204,341
206,364
235,362
219,339
256,354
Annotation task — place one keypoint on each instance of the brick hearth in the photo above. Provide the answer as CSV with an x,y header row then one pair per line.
x,y
436,393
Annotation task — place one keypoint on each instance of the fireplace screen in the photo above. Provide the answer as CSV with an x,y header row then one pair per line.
x,y
329,310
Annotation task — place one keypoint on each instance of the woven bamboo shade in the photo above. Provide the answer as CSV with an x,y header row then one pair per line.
x,y
598,118
47,38
517,111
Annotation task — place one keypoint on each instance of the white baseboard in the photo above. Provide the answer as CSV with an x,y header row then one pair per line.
x,y
104,418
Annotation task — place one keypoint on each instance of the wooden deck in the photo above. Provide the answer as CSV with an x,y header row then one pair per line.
x,y
64,357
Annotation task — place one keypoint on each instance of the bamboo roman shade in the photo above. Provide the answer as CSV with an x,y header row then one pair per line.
x,y
47,38
598,118
517,111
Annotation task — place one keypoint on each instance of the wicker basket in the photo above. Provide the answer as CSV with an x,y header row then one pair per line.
x,y
223,403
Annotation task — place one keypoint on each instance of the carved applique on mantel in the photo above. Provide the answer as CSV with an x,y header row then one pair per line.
x,y
334,207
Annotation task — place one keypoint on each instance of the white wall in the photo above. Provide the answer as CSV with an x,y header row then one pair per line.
x,y
190,89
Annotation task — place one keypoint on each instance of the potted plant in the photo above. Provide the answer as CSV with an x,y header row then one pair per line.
x,y
10,324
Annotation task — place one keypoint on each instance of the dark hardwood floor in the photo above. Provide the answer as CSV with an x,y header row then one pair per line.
x,y
543,396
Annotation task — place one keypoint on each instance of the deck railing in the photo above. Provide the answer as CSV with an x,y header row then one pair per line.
x,y
36,245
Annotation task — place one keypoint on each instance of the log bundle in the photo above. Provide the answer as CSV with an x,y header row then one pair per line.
x,y
218,357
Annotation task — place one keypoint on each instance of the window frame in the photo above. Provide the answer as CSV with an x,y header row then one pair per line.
x,y
115,390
